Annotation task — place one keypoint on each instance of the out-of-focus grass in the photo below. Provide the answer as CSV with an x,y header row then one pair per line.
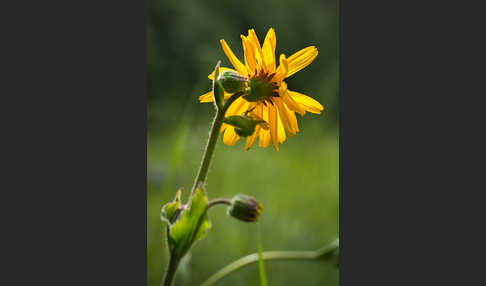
x,y
298,187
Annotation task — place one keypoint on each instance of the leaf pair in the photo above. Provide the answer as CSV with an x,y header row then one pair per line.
x,y
186,225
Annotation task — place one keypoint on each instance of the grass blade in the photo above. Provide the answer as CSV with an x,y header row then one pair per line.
x,y
261,264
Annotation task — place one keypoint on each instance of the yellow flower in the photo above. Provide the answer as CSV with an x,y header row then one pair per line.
x,y
267,95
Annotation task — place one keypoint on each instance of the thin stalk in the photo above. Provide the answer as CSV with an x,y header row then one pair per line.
x,y
213,139
261,264
271,255
219,202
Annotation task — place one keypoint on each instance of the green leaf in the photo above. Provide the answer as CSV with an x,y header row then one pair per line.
x,y
191,226
170,210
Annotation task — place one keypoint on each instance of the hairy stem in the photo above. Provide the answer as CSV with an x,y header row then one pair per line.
x,y
219,202
209,150
272,255
200,178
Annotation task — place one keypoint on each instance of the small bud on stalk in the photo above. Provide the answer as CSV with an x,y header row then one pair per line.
x,y
245,208
232,82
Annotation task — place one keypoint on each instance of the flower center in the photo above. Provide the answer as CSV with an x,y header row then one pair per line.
x,y
261,88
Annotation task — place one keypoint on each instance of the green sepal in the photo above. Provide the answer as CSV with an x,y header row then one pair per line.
x,y
218,91
170,210
191,226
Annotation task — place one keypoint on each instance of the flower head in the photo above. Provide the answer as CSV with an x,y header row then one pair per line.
x,y
245,208
266,95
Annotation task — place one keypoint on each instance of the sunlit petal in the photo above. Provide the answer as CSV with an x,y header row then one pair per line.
x,y
283,115
282,69
301,59
273,121
258,49
233,59
230,137
250,60
308,103
208,96
269,50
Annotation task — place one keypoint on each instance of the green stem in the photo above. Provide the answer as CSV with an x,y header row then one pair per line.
x,y
201,177
208,152
219,202
171,271
213,139
318,254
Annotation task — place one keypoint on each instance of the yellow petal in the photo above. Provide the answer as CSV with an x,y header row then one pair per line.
x,y
251,139
223,127
264,134
280,130
259,110
258,49
221,69
293,121
307,102
262,111
236,108
291,104
258,115
282,69
273,121
284,117
252,106
301,59
208,96
264,138
230,137
269,50
250,60
233,59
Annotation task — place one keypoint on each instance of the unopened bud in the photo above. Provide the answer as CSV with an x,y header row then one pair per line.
x,y
245,208
232,82
244,125
171,210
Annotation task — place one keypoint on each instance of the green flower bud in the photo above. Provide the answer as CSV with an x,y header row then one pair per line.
x,y
171,210
244,125
232,82
218,91
245,208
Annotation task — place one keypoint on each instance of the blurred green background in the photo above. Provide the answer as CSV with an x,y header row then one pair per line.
x,y
298,185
